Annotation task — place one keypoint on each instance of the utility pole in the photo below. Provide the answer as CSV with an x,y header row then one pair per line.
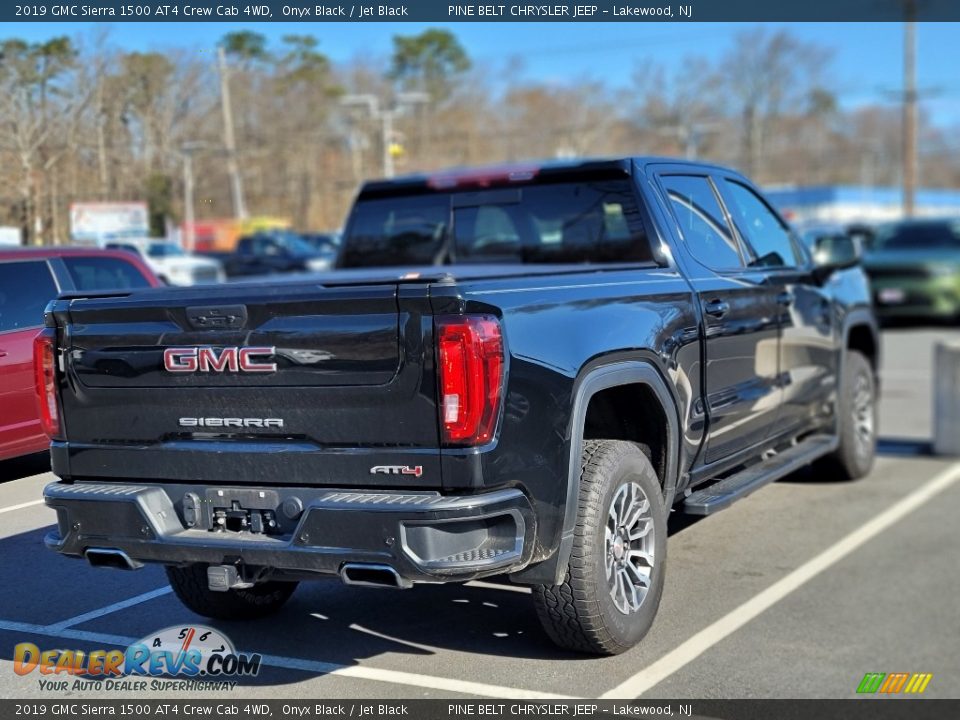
x,y
229,141
909,107
385,117
386,142
189,216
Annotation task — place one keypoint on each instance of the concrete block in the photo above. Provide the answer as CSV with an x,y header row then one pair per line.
x,y
946,398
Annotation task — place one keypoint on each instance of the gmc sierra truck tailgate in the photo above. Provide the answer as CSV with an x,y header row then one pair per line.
x,y
294,383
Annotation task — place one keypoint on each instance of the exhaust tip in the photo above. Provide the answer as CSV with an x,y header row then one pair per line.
x,y
111,558
382,576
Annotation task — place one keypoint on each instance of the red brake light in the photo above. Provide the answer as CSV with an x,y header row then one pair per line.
x,y
470,356
483,177
45,381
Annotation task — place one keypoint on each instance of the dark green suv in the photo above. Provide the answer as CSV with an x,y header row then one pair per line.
x,y
914,268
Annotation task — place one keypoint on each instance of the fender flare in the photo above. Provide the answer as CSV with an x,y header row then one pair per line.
x,y
588,384
856,317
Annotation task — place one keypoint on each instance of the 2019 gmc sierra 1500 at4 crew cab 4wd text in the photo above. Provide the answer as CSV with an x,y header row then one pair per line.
x,y
514,371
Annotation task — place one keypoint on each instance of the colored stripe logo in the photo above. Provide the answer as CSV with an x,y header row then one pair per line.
x,y
894,683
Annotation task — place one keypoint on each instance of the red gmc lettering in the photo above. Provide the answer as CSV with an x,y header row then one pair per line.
x,y
180,359
207,359
247,364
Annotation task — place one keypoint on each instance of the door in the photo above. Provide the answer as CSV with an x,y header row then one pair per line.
x,y
739,315
808,352
25,289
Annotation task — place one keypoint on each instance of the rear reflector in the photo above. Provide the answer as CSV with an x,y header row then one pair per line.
x,y
45,381
470,356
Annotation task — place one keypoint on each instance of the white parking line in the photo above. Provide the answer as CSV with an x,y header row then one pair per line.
x,y
122,605
496,586
11,508
383,636
740,616
360,672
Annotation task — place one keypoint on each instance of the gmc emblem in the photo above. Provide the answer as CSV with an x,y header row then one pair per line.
x,y
207,359
416,470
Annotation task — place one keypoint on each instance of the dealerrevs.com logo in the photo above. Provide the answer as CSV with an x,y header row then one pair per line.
x,y
196,656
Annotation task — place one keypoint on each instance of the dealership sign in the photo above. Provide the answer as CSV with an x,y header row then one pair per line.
x,y
101,222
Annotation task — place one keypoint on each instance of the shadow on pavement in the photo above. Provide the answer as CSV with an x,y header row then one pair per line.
x,y
325,623
24,466
904,447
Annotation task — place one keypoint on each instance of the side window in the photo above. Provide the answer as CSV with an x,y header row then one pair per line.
x,y
769,240
25,290
701,221
104,273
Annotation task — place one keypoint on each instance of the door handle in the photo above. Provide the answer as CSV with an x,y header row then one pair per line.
x,y
785,299
2,354
716,308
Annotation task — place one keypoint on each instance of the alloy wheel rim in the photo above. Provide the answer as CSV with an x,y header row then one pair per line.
x,y
863,416
629,548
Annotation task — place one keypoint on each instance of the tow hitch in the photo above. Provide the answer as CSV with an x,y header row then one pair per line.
x,y
233,510
221,578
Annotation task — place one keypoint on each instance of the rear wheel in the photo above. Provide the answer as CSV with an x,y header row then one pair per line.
x,y
857,420
613,582
189,583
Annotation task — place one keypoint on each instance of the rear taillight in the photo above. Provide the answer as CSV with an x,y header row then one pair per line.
x,y
470,357
45,380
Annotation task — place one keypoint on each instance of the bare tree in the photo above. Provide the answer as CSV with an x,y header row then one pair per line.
x,y
84,120
768,73
684,105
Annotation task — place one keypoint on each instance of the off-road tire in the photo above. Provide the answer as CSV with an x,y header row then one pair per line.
x,y
190,585
580,614
853,458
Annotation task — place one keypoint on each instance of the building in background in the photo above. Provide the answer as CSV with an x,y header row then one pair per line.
x,y
221,235
850,203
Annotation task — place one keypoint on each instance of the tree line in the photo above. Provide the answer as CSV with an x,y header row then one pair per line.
x,y
81,120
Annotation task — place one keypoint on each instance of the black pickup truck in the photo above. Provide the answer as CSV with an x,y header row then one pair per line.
x,y
514,371
279,251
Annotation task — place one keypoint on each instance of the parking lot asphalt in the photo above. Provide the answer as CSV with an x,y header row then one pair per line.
x,y
796,591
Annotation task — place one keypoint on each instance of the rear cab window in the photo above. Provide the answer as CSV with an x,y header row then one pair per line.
x,y
104,273
26,286
584,221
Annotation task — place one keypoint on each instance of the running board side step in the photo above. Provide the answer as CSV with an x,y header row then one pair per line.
x,y
721,495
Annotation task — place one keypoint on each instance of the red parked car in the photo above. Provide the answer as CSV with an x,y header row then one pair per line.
x,y
29,279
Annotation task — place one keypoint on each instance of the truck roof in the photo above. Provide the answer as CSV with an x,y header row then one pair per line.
x,y
521,172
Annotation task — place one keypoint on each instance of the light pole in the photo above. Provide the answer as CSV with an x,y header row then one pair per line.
x,y
385,117
691,135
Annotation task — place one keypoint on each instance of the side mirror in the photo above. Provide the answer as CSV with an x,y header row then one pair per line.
x,y
835,252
